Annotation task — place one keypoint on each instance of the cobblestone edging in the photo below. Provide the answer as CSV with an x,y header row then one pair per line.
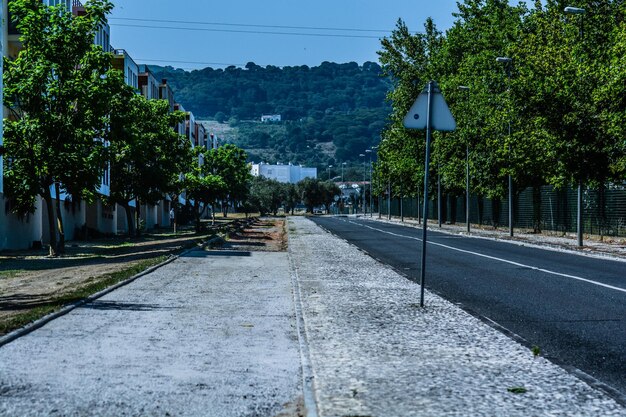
x,y
374,352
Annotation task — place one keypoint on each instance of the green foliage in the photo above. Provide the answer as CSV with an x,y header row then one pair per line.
x,y
267,195
314,192
146,154
57,92
229,163
202,186
562,96
338,108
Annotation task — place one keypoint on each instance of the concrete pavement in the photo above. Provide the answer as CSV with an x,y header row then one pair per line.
x,y
211,334
217,334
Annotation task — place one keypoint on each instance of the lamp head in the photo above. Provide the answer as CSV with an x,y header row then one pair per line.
x,y
574,10
504,59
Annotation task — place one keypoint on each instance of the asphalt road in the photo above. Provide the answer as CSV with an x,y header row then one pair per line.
x,y
573,307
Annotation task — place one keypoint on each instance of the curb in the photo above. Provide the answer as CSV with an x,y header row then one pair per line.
x,y
308,375
29,328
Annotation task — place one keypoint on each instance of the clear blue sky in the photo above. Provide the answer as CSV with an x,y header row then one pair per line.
x,y
224,44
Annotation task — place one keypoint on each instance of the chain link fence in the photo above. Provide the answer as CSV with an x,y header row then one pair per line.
x,y
536,209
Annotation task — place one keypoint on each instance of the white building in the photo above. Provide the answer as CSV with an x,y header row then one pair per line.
x,y
267,118
283,173
123,62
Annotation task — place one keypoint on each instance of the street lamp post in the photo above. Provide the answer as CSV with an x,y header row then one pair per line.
x,y
389,200
362,155
369,151
579,200
343,164
508,62
438,196
329,167
467,176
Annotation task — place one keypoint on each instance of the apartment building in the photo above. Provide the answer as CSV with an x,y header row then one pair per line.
x,y
148,84
283,173
201,135
78,217
123,62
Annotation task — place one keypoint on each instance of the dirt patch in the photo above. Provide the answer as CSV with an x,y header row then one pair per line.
x,y
265,234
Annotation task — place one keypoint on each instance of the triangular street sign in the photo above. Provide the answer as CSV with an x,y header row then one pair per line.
x,y
441,117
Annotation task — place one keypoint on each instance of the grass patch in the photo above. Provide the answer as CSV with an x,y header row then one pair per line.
x,y
13,322
117,245
10,273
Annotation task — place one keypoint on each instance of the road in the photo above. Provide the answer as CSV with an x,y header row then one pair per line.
x,y
573,307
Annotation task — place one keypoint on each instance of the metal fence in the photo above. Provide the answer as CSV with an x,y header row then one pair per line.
x,y
604,210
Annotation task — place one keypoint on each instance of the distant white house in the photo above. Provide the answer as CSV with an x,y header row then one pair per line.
x,y
269,118
283,173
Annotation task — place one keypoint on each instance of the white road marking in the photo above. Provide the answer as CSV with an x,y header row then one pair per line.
x,y
534,268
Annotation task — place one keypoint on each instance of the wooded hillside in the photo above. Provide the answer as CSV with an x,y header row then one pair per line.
x,y
330,113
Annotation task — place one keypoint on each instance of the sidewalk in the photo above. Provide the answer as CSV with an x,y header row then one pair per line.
x,y
244,333
210,334
374,352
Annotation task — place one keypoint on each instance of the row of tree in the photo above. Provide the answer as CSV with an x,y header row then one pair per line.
x,y
74,121
561,96
267,196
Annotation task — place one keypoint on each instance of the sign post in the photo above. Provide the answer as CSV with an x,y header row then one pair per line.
x,y
429,112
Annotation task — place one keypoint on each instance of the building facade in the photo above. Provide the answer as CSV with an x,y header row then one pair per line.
x,y
283,173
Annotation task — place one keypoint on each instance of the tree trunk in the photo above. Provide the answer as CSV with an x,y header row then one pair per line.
x,y
212,214
59,216
137,218
225,208
129,220
536,208
196,212
47,197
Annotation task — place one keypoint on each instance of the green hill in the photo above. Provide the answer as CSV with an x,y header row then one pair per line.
x,y
330,113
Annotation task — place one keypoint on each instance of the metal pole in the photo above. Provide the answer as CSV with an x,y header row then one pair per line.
x,y
579,214
371,186
364,181
389,201
510,177
467,189
425,228
438,196
401,204
419,213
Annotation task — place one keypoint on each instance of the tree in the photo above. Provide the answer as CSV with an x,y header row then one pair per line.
x,y
311,193
202,187
329,190
147,155
267,195
229,162
220,117
290,197
57,91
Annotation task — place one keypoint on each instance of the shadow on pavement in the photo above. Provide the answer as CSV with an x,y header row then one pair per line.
x,y
113,305
205,253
